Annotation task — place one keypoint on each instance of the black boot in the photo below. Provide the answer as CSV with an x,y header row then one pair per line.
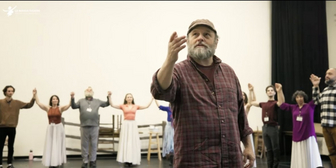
x,y
171,159
128,164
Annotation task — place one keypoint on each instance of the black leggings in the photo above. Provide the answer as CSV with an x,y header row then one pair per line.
x,y
10,132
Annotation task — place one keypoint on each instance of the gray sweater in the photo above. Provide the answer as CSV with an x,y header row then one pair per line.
x,y
88,110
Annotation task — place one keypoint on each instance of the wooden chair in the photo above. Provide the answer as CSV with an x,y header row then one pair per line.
x,y
259,144
108,132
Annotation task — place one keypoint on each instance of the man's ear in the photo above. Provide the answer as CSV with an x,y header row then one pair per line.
x,y
216,42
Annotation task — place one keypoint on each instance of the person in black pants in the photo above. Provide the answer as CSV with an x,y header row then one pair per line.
x,y
9,117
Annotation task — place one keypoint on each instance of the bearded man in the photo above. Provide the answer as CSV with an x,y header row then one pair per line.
x,y
206,100
89,121
327,100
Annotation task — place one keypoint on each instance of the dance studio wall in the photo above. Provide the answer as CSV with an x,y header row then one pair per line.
x,y
60,47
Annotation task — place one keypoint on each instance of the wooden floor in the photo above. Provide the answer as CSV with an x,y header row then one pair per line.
x,y
110,162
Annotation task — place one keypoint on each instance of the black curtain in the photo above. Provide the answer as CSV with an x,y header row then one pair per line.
x,y
299,48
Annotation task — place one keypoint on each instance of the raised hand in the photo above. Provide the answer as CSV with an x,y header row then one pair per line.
x,y
315,79
278,87
109,93
250,86
175,45
72,94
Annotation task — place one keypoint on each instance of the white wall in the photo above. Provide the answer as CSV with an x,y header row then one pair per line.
x,y
59,47
331,26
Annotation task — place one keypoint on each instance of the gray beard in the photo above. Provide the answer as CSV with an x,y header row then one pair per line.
x,y
88,94
200,53
329,82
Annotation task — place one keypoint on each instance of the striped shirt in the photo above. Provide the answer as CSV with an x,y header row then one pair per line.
x,y
209,117
327,99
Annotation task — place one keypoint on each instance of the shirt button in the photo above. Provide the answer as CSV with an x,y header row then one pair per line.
x,y
223,136
213,93
219,106
222,121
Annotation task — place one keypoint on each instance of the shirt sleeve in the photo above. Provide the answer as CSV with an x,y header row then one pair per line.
x,y
28,105
285,106
73,104
312,104
163,108
316,95
104,104
167,95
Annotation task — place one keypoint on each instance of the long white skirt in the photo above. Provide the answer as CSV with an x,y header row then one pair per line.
x,y
242,147
168,140
306,154
54,148
129,149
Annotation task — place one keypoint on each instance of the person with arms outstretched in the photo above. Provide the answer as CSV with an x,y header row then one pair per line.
x,y
54,154
9,118
89,121
305,152
168,137
129,149
270,129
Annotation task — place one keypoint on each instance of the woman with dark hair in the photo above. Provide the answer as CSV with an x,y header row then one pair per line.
x,y
54,148
129,150
305,152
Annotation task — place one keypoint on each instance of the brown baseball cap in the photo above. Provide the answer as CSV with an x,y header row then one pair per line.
x,y
203,22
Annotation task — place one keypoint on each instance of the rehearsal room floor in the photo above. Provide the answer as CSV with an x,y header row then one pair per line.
x,y
110,162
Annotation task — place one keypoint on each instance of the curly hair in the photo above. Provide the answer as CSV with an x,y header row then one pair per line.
x,y
6,88
300,93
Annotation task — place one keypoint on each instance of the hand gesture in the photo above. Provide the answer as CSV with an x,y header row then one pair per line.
x,y
72,94
250,86
278,87
109,93
315,79
175,45
34,92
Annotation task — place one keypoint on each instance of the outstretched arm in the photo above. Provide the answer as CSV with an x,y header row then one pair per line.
x,y
252,96
165,74
42,106
144,107
316,89
66,107
73,104
281,97
107,102
110,100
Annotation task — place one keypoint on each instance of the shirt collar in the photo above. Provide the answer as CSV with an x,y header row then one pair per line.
x,y
215,59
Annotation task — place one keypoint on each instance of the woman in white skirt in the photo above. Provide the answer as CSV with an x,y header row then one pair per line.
x,y
305,151
247,106
129,149
54,148
168,137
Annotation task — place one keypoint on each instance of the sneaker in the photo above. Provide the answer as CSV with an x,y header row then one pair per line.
x,y
84,165
93,164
